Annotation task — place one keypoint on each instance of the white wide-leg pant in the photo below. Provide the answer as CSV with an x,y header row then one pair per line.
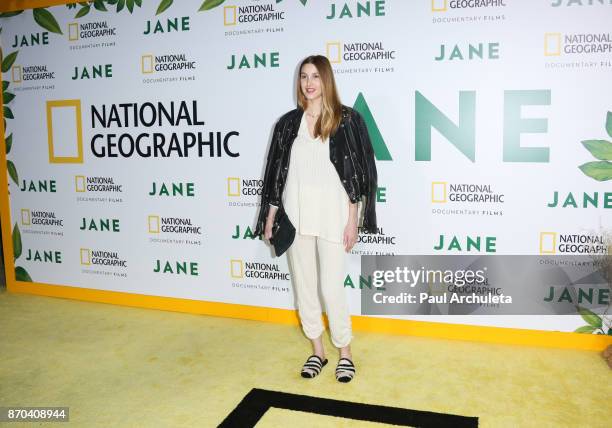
x,y
302,257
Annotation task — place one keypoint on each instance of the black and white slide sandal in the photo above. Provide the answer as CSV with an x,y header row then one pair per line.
x,y
345,370
313,366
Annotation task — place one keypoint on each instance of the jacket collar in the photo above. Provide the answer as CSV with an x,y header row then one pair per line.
x,y
297,118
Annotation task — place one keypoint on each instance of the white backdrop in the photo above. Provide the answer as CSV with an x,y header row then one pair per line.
x,y
519,49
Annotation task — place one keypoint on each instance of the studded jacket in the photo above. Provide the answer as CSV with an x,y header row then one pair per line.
x,y
350,150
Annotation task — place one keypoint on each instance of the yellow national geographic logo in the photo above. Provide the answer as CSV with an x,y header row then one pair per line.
x,y
64,131
16,74
85,256
438,192
73,31
236,269
548,242
233,186
79,183
436,289
147,64
333,51
153,221
25,217
552,44
439,5
229,15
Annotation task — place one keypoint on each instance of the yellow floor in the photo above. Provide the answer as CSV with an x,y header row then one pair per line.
x,y
117,366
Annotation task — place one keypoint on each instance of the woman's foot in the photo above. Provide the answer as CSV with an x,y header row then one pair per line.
x,y
313,366
345,370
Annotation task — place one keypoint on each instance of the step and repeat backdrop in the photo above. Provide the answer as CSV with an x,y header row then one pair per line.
x,y
136,136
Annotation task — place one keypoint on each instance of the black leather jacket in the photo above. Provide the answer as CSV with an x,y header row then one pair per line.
x,y
350,150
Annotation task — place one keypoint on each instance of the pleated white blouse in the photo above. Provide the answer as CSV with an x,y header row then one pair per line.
x,y
315,200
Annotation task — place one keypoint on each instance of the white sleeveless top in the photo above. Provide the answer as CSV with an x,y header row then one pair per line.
x,y
315,200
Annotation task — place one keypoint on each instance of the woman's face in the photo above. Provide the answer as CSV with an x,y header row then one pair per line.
x,y
310,82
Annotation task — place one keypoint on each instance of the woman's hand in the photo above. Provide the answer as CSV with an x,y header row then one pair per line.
x,y
349,237
270,222
268,230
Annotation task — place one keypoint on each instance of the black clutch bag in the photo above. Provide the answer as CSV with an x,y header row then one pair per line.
x,y
283,232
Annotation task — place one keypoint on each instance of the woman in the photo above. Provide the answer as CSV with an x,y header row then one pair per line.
x,y
319,166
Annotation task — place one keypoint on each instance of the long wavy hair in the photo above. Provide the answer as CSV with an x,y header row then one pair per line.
x,y
331,107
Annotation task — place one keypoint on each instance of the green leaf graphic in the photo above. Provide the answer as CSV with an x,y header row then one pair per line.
x,y
45,19
303,2
111,2
99,5
7,97
601,149
600,170
609,123
9,143
9,14
8,61
585,329
8,113
22,275
12,171
16,242
82,11
138,3
165,4
130,5
120,5
591,318
210,4
5,85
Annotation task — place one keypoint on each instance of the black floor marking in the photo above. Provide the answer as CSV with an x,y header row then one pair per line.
x,y
257,402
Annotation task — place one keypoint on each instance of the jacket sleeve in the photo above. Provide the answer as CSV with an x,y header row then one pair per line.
x,y
370,184
268,196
